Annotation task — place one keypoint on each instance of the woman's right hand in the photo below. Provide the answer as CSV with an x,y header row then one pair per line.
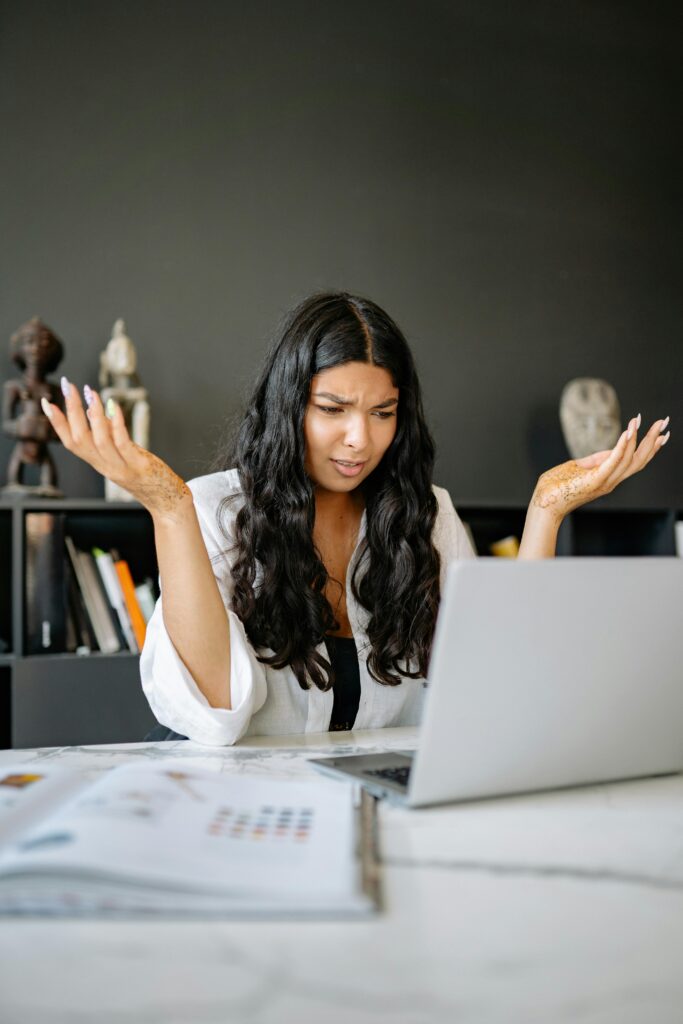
x,y
106,445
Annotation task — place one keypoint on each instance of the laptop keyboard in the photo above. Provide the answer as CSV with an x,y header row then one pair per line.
x,y
399,776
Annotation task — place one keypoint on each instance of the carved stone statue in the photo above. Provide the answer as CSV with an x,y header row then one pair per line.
x,y
590,416
119,380
37,351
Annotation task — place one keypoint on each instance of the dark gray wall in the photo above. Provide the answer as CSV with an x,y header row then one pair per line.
x,y
504,178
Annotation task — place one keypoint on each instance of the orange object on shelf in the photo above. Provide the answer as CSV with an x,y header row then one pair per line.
x,y
507,547
128,587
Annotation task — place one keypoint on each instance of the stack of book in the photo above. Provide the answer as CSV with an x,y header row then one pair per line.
x,y
149,840
80,601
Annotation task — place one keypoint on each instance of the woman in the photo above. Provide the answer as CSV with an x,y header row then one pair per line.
x,y
300,588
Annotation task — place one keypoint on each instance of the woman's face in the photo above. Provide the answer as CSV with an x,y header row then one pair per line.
x,y
350,422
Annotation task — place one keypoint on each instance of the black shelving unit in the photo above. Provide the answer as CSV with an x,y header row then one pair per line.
x,y
70,699
587,532
67,699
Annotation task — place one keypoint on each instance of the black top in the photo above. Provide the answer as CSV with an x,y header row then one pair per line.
x,y
344,659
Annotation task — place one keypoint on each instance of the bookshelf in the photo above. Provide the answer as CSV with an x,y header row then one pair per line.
x,y
60,699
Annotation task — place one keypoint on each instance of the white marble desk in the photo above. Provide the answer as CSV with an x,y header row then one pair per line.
x,y
556,907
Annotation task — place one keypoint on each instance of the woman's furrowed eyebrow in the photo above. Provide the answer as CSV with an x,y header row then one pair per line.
x,y
346,401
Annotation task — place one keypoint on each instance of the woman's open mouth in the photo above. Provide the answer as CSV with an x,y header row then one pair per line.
x,y
348,468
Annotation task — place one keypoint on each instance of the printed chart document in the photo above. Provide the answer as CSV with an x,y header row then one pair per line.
x,y
152,840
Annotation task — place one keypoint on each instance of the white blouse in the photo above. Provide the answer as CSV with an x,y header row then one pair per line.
x,y
268,701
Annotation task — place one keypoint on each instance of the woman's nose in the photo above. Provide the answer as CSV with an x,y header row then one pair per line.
x,y
357,433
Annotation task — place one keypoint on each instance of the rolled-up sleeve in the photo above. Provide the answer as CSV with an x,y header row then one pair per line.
x,y
450,536
170,689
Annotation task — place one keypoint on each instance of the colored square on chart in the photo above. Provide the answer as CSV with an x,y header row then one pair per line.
x,y
263,824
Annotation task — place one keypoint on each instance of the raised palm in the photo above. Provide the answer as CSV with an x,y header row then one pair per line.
x,y
103,442
574,483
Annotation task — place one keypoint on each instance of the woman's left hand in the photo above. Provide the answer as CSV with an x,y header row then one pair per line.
x,y
572,484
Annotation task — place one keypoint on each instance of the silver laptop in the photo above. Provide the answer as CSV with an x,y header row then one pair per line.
x,y
544,674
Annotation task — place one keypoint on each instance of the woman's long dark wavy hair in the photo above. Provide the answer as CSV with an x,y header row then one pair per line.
x,y
279,577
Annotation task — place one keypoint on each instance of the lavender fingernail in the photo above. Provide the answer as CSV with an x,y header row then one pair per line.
x,y
65,387
665,439
664,425
87,394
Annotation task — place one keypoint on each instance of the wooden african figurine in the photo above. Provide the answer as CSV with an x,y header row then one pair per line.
x,y
37,351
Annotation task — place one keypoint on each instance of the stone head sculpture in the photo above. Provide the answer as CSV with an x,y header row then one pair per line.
x,y
590,416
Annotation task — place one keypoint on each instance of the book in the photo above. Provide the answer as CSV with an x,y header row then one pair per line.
x,y
71,642
145,595
158,840
112,586
88,558
46,591
85,635
98,609
132,604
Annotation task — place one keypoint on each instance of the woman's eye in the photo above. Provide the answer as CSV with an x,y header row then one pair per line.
x,y
332,410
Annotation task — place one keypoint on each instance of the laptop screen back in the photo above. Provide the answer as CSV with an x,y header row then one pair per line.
x,y
552,673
